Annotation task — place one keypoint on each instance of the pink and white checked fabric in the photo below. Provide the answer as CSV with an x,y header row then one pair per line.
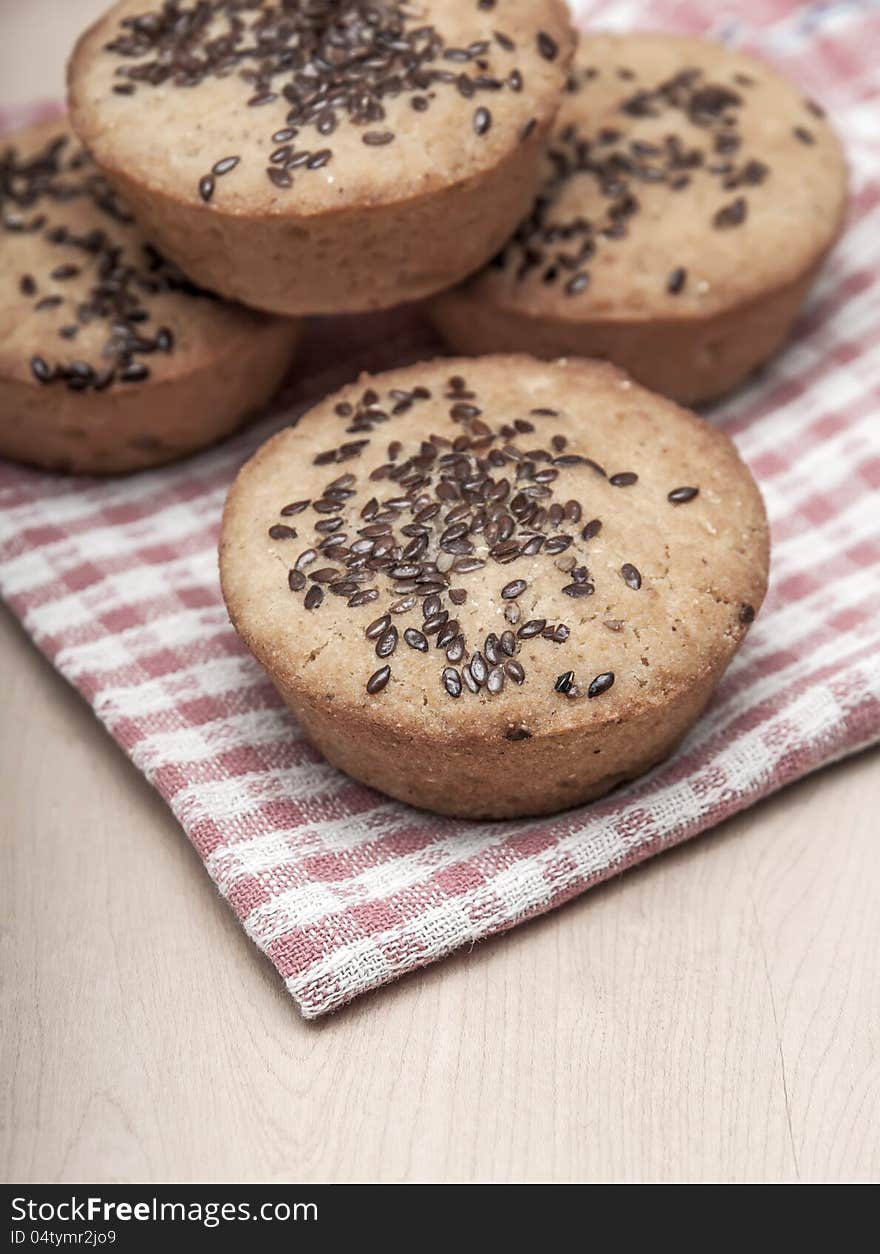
x,y
344,889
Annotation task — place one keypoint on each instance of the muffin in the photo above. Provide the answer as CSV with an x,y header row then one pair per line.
x,y
690,196
328,157
111,360
495,587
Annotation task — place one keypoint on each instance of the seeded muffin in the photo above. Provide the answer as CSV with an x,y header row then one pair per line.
x,y
495,587
324,158
690,196
110,360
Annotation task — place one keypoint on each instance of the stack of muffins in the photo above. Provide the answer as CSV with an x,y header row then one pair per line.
x,y
492,585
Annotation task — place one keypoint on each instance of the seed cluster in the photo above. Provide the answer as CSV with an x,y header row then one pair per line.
x,y
33,192
561,251
325,63
440,512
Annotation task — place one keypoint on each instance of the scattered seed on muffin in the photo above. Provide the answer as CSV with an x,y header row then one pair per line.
x,y
600,684
681,496
676,280
564,682
378,680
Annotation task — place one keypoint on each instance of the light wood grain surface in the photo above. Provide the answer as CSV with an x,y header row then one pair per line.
x,y
714,1015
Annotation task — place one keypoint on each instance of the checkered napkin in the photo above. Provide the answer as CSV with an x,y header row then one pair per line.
x,y
344,889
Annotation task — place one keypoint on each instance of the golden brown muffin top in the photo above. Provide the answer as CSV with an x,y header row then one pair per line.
x,y
303,108
683,178
495,546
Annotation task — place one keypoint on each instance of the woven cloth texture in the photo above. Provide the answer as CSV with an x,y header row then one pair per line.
x,y
344,889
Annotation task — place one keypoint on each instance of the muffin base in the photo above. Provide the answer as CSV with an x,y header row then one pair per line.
x,y
488,778
690,360
347,260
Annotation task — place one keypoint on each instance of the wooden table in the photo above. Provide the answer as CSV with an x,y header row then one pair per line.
x,y
710,1016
